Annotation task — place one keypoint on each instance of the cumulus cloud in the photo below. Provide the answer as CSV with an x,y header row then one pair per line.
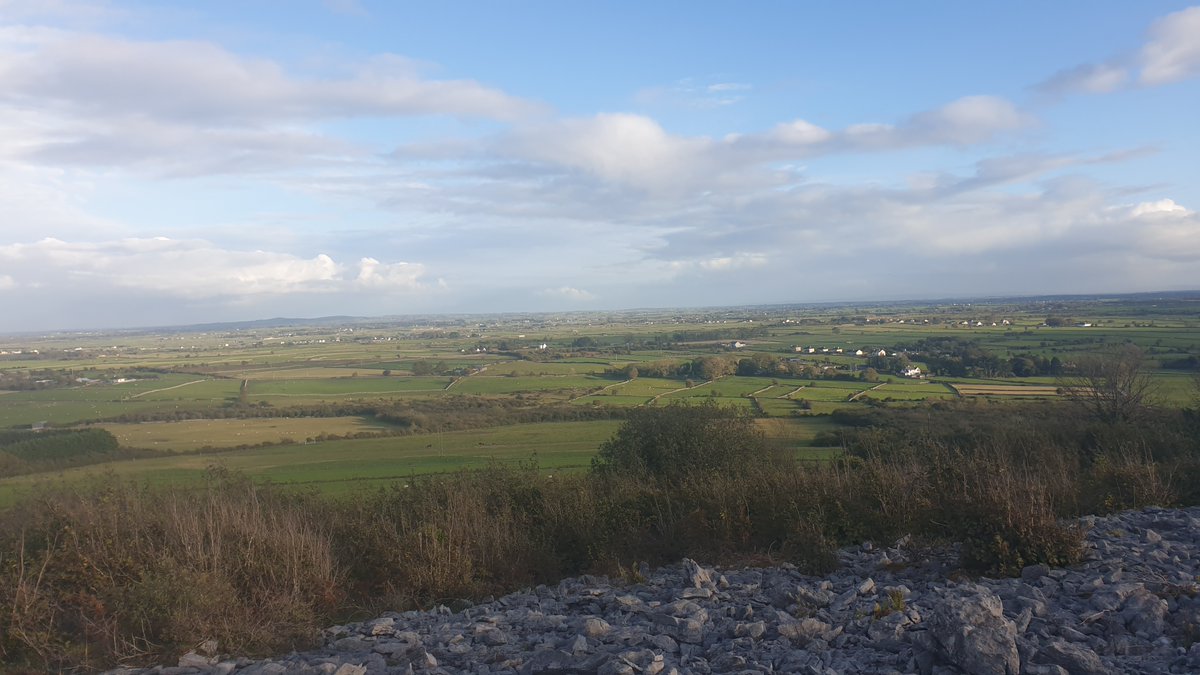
x,y
636,151
1173,51
193,108
1163,208
394,276
568,293
968,120
1161,229
192,269
84,73
619,147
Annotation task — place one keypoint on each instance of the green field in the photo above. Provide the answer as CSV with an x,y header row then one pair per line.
x,y
228,433
491,384
342,464
235,387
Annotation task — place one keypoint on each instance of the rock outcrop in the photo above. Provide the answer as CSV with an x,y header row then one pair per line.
x,y
1132,607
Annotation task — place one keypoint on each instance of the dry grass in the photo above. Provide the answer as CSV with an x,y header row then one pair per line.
x,y
127,574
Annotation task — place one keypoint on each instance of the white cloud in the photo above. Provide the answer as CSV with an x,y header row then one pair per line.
x,y
192,269
724,263
799,132
968,120
1087,78
1162,229
568,293
635,151
1173,50
695,93
1161,208
1171,53
91,74
396,276
625,148
7,282
188,108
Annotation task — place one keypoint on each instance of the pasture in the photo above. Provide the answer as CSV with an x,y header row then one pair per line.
x,y
341,465
496,364
191,435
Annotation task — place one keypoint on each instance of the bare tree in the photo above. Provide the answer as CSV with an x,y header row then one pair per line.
x,y
1112,385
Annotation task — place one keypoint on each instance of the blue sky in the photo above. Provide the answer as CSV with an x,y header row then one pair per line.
x,y
165,163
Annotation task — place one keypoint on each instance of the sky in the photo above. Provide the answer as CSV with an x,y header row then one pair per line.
x,y
167,163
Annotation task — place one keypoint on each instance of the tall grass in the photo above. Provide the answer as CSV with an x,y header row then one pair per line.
x,y
90,578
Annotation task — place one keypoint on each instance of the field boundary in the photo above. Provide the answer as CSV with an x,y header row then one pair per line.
x,y
155,391
854,397
675,391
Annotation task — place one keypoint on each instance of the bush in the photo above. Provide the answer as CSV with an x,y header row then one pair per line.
x,y
673,442
124,574
118,573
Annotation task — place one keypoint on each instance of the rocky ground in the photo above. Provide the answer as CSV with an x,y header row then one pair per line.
x,y
1132,607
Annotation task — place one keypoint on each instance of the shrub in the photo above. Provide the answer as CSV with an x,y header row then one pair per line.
x,y
671,442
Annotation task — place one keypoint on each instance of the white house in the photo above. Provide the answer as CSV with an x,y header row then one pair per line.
x,y
911,372
881,352
859,352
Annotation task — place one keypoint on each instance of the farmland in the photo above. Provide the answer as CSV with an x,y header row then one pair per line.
x,y
376,400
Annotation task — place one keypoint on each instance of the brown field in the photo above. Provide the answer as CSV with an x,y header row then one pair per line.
x,y
1004,390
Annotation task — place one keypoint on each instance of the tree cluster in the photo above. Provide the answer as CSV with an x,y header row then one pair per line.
x,y
670,443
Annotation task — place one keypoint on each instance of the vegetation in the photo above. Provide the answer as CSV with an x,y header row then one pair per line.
x,y
677,441
118,572
1113,386
657,435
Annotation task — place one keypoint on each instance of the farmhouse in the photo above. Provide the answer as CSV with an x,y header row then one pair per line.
x,y
913,372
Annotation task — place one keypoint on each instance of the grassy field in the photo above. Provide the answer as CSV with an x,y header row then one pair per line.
x,y
228,433
346,386
341,464
338,466
338,370
1004,390
491,384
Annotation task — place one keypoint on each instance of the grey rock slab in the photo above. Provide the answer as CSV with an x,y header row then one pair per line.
x,y
1075,659
1128,608
971,632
